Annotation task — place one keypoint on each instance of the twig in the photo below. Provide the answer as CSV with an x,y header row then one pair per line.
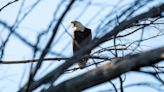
x,y
9,3
48,59
30,61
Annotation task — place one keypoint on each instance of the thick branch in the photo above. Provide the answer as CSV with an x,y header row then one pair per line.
x,y
110,71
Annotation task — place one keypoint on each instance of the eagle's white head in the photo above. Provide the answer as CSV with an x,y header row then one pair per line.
x,y
77,26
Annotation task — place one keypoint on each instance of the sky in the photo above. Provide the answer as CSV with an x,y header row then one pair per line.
x,y
13,76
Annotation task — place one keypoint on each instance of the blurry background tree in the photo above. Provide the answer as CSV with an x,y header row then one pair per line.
x,y
127,47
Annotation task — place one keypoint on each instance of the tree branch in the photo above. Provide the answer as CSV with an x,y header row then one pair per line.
x,y
110,71
9,3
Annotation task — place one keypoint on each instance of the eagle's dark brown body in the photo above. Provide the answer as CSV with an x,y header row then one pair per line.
x,y
80,40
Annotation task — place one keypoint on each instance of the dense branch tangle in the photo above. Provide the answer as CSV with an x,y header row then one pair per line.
x,y
116,64
152,13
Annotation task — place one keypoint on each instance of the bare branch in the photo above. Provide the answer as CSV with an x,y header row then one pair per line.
x,y
110,71
9,3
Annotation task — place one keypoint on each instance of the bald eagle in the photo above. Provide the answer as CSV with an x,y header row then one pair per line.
x,y
81,37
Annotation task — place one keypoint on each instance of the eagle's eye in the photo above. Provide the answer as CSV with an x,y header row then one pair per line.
x,y
74,24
